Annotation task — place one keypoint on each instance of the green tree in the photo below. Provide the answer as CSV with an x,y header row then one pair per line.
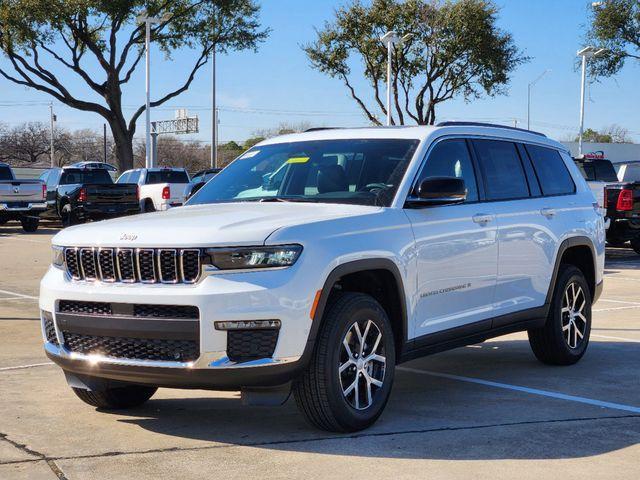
x,y
100,43
250,142
456,49
615,26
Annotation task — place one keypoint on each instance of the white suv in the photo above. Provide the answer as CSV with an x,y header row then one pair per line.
x,y
317,262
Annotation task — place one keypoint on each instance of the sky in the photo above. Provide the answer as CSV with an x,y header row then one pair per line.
x,y
277,84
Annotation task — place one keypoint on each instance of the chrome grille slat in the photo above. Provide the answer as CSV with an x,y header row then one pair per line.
x,y
129,265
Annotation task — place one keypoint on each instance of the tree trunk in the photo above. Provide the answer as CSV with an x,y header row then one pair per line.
x,y
123,140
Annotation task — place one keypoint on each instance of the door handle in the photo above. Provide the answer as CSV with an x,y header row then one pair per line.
x,y
482,218
548,212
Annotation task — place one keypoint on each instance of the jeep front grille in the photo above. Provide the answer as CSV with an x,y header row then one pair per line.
x,y
130,265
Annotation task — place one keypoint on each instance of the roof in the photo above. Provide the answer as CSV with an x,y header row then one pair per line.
x,y
419,132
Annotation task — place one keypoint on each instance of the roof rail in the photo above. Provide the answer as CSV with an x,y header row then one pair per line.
x,y
493,125
318,129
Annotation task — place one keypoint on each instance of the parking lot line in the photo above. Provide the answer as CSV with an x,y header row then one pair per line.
x,y
20,367
534,391
611,300
616,338
16,294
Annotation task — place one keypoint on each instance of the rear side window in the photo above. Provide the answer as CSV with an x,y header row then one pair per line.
x,y
167,176
124,178
504,175
88,176
552,173
5,173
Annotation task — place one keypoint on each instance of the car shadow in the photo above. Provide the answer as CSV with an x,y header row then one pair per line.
x,y
620,258
436,418
11,229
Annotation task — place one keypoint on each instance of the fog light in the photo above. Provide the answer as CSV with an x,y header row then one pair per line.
x,y
247,325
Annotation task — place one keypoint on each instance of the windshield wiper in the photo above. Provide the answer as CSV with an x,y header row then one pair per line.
x,y
274,199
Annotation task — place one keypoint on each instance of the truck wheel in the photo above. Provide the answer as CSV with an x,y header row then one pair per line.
x,y
30,224
148,206
616,242
564,338
67,216
347,383
635,244
116,398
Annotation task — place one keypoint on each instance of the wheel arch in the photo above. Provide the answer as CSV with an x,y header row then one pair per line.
x,y
580,252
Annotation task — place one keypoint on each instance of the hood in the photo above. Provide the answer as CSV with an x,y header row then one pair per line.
x,y
222,224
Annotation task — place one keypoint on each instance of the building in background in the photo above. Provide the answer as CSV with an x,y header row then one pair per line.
x,y
615,152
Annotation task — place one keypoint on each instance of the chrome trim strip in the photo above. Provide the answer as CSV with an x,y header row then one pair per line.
x,y
127,317
224,362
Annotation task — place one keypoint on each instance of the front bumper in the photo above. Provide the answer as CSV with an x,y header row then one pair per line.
x,y
261,295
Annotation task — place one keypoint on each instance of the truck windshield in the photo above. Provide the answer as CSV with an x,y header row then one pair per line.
x,y
364,171
598,170
167,176
86,176
5,173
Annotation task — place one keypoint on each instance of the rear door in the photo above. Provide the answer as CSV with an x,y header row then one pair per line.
x,y
456,249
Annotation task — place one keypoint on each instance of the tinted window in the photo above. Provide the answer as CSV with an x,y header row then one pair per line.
x,y
552,173
504,176
124,178
631,173
5,173
360,171
135,176
451,159
96,176
605,171
167,176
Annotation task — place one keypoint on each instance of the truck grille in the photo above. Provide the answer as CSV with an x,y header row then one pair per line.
x,y
133,348
89,308
49,329
246,345
138,310
129,265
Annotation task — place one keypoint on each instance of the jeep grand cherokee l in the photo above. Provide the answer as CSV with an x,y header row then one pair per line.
x,y
317,262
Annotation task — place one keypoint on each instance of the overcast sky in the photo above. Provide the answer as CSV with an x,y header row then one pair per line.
x,y
261,90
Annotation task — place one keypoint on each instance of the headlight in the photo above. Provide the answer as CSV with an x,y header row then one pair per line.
x,y
57,256
253,257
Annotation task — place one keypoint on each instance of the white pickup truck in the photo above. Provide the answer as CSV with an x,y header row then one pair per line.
x,y
21,200
159,188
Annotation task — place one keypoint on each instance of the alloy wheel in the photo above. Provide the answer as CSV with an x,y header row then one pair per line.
x,y
362,364
574,321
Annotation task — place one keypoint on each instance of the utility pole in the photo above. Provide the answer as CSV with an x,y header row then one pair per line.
x,y
585,53
53,150
529,87
214,112
104,141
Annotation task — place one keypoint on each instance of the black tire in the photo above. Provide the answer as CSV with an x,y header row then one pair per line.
x,y
319,392
549,343
635,244
616,242
30,224
116,398
148,206
67,216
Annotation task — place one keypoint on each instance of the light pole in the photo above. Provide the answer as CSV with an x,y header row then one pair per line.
x,y
51,144
391,39
529,87
585,53
148,21
214,113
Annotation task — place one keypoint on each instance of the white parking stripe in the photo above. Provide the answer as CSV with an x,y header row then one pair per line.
x,y
16,294
612,309
534,391
616,338
611,300
20,367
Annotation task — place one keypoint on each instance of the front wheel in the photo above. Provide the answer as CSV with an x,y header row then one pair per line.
x,y
564,338
635,244
30,224
116,398
348,381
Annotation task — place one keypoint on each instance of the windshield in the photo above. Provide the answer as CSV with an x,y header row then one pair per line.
x,y
364,172
598,170
167,176
88,176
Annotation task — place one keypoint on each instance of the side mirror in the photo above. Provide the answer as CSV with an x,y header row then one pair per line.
x,y
439,191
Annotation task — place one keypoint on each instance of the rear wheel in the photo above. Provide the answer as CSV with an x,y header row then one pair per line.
x,y
348,381
565,336
116,398
30,224
67,216
149,206
616,242
635,244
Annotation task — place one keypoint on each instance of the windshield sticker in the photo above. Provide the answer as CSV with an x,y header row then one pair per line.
x,y
298,160
250,154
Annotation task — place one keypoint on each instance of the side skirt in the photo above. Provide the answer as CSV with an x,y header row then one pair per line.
x,y
475,333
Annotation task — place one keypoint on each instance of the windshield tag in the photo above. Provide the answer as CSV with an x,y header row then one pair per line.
x,y
298,160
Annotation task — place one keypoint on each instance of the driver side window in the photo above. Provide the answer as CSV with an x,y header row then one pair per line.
x,y
450,158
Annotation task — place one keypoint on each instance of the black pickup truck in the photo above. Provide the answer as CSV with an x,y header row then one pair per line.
x,y
75,195
621,201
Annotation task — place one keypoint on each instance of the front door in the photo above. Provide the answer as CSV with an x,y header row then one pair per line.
x,y
456,250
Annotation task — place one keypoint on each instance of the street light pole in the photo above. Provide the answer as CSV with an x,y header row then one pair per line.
x,y
585,53
51,144
214,113
390,40
529,87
